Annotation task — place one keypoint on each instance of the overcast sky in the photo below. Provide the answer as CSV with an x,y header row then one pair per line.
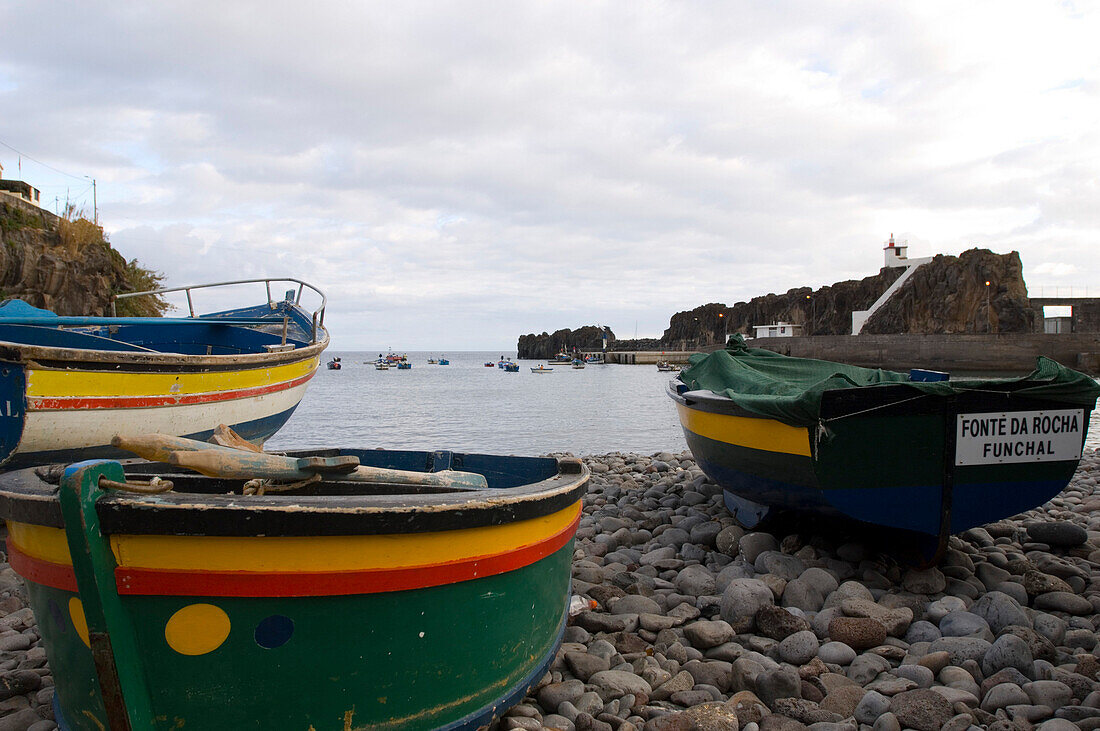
x,y
457,174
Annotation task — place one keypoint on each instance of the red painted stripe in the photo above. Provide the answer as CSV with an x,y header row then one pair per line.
x,y
138,402
158,582
46,573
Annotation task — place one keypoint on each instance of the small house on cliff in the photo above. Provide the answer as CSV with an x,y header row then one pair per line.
x,y
19,189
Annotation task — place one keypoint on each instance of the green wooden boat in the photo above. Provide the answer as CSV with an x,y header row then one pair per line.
x,y
336,604
931,457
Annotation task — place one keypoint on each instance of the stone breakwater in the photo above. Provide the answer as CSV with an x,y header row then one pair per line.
x,y
687,621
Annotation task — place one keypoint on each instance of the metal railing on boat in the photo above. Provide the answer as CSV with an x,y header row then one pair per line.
x,y
318,314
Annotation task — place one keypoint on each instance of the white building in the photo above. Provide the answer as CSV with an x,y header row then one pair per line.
x,y
778,330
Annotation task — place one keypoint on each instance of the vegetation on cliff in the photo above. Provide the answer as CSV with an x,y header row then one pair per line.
x,y
71,267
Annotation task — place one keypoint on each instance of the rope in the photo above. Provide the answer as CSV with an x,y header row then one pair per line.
x,y
152,487
260,487
876,408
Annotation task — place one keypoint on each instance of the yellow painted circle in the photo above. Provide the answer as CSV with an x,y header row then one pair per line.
x,y
76,613
197,629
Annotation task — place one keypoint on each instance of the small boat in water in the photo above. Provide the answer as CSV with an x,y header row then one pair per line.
x,y
932,457
404,366
511,367
578,363
412,590
664,365
381,366
334,364
71,383
541,369
444,361
432,361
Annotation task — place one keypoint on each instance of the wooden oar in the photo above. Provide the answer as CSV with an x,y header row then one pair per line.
x,y
216,461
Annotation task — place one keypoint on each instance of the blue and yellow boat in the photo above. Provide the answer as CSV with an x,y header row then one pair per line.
x,y
936,458
69,384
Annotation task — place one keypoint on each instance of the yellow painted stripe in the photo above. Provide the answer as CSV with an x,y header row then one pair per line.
x,y
62,383
744,431
301,553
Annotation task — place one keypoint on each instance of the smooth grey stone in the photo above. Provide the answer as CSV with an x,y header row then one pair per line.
x,y
635,604
802,595
779,564
1051,627
1063,601
1014,590
742,599
1000,610
937,610
1079,639
961,648
887,722
1048,693
1057,724
820,579
728,539
866,668
836,653
799,648
779,683
705,634
1007,651
1005,694
919,674
616,683
924,581
752,545
965,624
695,581
1057,533
553,695
922,631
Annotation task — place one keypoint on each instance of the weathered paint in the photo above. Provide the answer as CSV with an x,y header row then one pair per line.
x,y
881,468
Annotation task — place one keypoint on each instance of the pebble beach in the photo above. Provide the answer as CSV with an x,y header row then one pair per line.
x,y
682,620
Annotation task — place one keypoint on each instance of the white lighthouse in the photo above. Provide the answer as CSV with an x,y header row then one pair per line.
x,y
894,252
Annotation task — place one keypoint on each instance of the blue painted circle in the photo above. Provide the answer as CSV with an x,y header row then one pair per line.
x,y
274,631
58,616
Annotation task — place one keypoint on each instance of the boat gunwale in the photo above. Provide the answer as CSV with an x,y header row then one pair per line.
x,y
50,357
883,398
33,500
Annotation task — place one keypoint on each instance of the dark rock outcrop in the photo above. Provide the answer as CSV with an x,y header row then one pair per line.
x,y
949,295
826,311
547,345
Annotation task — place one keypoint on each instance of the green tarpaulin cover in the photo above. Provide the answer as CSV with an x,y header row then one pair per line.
x,y
789,389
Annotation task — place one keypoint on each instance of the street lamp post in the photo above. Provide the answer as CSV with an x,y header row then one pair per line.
x,y
722,318
988,311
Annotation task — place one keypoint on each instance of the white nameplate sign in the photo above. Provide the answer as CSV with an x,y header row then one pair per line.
x,y
1019,436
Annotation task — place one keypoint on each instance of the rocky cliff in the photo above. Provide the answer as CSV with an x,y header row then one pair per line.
x,y
947,295
826,311
975,292
69,268
547,345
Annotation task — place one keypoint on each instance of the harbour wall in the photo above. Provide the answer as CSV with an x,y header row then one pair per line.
x,y
998,352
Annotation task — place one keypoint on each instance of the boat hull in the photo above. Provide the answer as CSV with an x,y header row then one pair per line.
x,y
892,466
382,611
67,405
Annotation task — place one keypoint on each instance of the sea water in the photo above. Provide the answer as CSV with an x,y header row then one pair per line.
x,y
468,407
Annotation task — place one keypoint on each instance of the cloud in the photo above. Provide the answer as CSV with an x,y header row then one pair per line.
x,y
456,175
